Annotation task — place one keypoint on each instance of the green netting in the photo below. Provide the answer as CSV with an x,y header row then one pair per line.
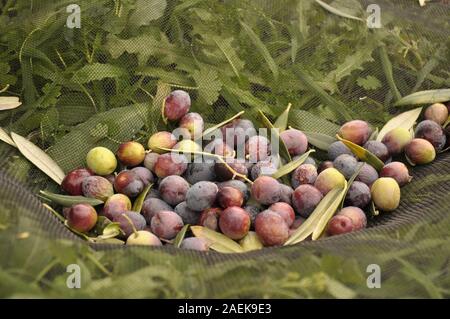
x,y
104,82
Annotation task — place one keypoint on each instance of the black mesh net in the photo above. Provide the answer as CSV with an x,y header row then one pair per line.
x,y
103,83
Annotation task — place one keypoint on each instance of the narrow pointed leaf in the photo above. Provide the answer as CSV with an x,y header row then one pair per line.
x,y
217,241
363,154
307,228
180,236
6,138
39,158
387,68
329,212
268,124
137,205
319,140
262,49
405,120
9,103
67,201
110,231
218,126
291,166
282,121
425,97
350,182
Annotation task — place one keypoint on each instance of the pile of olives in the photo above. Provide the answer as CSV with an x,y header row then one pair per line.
x,y
239,198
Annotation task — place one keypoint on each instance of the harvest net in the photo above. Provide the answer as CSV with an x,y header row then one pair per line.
x,y
104,82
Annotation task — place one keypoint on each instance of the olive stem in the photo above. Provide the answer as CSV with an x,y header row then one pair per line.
x,y
131,224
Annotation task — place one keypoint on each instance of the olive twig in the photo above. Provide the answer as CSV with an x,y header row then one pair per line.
x,y
131,224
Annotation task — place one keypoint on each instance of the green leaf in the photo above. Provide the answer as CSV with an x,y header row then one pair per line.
x,y
50,97
351,63
217,241
369,83
338,107
144,46
329,212
325,208
337,11
39,158
96,72
363,154
147,11
291,166
425,97
74,108
387,68
404,120
208,85
5,78
110,231
282,121
275,135
307,122
319,140
230,54
180,236
262,49
137,205
67,201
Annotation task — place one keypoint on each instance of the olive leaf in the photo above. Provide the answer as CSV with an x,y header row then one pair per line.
x,y
350,181
275,135
425,97
39,158
67,200
110,231
319,217
405,120
9,103
6,138
139,201
374,135
217,241
319,140
289,167
282,121
273,66
329,212
180,236
336,11
363,154
100,225
210,130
